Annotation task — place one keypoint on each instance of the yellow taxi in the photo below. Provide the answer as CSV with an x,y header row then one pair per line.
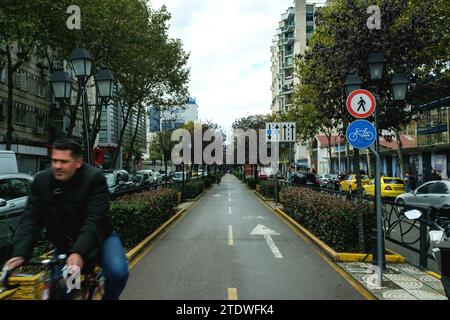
x,y
390,187
348,184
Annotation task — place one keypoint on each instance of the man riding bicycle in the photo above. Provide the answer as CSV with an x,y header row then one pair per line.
x,y
71,201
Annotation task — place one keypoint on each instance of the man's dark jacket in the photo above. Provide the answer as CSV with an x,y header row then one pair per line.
x,y
75,214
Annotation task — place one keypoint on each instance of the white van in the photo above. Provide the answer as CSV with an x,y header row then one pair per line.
x,y
8,162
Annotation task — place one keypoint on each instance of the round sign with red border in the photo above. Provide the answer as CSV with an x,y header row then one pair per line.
x,y
361,104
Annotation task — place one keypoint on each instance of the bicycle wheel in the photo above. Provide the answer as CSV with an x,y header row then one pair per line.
x,y
353,137
369,136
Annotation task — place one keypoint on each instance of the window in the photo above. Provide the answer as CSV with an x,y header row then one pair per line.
x,y
21,81
19,188
309,29
20,117
5,190
425,189
40,121
309,16
439,188
393,181
2,74
40,91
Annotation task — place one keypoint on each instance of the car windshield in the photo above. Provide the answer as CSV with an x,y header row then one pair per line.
x,y
109,179
393,181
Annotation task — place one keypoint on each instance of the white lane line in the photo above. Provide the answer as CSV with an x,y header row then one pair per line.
x,y
229,199
230,236
229,211
276,252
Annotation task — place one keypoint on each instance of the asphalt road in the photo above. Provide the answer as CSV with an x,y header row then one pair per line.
x,y
211,254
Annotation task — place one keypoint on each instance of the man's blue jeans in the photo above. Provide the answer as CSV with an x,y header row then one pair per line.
x,y
114,264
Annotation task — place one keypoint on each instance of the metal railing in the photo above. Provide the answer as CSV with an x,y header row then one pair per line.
x,y
408,234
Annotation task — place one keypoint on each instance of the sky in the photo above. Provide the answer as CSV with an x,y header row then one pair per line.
x,y
229,42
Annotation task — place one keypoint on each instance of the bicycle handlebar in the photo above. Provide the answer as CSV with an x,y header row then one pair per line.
x,y
48,263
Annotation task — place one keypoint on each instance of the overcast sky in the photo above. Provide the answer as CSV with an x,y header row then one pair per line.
x,y
229,42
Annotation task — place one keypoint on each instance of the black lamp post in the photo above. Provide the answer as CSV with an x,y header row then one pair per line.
x,y
81,61
400,82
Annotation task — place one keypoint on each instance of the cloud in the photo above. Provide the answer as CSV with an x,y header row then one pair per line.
x,y
229,42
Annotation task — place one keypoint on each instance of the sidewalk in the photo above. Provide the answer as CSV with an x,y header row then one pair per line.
x,y
401,281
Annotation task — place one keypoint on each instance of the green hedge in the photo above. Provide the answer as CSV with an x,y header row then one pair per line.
x,y
251,182
237,174
208,181
330,218
266,188
194,188
136,216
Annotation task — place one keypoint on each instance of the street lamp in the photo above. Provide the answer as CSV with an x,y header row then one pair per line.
x,y
376,65
105,83
82,62
62,84
352,82
399,85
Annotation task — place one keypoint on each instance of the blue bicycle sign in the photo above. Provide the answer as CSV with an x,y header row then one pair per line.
x,y
361,134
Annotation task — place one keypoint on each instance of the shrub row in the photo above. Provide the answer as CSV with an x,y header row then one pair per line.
x,y
136,216
251,182
331,219
266,188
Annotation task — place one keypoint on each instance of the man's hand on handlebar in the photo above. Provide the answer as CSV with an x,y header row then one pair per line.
x,y
15,263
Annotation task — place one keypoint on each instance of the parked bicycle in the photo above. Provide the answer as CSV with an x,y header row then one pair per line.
x,y
56,273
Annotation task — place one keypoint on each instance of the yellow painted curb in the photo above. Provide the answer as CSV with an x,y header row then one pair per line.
x,y
341,256
136,250
262,197
434,274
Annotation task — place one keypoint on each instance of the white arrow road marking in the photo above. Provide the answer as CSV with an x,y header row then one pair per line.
x,y
276,252
217,195
261,230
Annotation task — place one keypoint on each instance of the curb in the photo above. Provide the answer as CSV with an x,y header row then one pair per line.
x,y
434,274
341,256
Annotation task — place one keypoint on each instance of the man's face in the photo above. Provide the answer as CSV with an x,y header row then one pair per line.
x,y
64,164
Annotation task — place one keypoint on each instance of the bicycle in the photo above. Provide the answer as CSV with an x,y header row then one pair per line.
x,y
55,287
363,134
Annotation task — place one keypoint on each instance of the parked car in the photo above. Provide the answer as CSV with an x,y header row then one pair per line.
x,y
148,175
433,193
178,176
118,180
14,190
8,162
140,180
323,179
305,180
334,181
390,187
349,183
